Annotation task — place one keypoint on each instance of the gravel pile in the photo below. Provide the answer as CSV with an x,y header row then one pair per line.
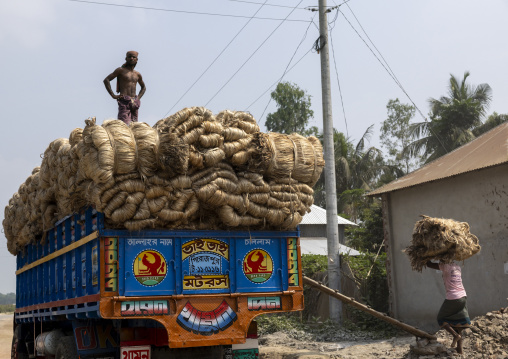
x,y
488,336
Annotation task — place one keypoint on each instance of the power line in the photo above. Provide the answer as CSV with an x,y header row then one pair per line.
x,y
379,52
337,74
382,64
289,63
330,8
253,54
274,5
209,66
280,78
184,11
393,77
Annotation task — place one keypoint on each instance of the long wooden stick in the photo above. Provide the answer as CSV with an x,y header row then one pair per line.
x,y
408,328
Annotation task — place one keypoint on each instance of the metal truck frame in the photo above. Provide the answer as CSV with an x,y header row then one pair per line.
x,y
97,292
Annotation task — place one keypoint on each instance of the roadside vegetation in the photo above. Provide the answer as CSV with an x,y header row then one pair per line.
x,y
453,120
7,302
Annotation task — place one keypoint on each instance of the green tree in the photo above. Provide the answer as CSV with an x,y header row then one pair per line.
x,y
293,110
494,120
9,298
453,119
396,135
357,167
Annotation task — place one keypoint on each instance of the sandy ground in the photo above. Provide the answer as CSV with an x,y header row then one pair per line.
x,y
5,335
392,348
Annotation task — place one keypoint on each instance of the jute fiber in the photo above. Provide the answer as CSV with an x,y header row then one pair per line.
x,y
441,239
192,170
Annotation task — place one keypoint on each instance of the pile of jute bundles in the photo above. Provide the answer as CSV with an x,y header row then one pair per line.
x,y
440,239
192,170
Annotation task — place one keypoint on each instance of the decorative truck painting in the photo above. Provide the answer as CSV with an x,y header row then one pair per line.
x,y
122,294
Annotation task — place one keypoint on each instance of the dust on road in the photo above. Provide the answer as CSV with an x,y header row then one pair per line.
x,y
5,335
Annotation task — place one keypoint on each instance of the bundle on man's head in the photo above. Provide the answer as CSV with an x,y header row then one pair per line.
x,y
441,239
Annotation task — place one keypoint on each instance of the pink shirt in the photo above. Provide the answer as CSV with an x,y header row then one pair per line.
x,y
452,278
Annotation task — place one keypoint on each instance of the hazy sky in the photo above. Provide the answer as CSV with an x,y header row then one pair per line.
x,y
56,53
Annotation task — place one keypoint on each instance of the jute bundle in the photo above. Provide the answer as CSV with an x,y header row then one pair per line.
x,y
278,156
125,152
147,144
173,156
242,120
192,170
441,239
184,120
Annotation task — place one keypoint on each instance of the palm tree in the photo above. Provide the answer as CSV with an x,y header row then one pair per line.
x,y
453,119
357,170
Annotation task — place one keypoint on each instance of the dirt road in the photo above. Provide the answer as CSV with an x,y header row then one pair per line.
x,y
5,335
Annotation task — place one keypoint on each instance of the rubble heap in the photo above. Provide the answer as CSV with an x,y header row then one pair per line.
x,y
487,337
192,170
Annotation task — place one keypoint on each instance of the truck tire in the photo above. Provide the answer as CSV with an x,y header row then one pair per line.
x,y
67,349
18,351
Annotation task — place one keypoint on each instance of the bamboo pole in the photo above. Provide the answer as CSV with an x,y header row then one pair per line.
x,y
351,301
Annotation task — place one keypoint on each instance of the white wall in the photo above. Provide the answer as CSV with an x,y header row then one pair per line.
x,y
479,198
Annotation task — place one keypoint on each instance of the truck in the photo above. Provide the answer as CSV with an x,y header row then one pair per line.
x,y
88,291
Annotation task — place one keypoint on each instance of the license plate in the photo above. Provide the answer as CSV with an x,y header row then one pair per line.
x,y
139,352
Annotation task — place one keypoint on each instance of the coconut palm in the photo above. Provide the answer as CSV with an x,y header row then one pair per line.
x,y
453,119
357,170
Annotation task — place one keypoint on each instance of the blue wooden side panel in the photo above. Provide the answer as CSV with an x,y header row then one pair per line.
x,y
151,262
55,286
201,262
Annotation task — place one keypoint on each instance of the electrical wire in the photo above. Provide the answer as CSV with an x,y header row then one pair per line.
x,y
184,11
332,26
280,78
253,53
274,5
209,66
392,76
379,52
286,69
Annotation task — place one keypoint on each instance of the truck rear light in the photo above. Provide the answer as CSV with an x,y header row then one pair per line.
x,y
252,332
136,336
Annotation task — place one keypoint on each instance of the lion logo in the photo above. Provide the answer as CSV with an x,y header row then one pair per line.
x,y
150,267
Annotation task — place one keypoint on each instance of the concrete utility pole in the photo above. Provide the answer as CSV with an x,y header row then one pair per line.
x,y
332,227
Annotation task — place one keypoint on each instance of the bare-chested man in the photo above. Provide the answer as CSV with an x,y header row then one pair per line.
x,y
127,79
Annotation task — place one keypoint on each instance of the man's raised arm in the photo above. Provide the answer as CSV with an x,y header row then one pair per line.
x,y
107,83
142,86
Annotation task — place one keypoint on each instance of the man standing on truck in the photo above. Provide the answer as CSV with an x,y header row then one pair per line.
x,y
126,81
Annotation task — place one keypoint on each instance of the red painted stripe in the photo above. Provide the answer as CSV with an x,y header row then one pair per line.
x,y
61,303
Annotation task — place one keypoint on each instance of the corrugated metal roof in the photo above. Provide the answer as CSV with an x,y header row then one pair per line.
x,y
319,245
488,150
317,215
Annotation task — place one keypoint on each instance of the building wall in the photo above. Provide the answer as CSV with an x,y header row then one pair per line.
x,y
313,230
479,198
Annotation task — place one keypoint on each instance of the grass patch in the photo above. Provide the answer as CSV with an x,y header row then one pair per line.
x,y
7,308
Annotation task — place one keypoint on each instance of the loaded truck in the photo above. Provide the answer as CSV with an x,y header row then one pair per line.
x,y
88,291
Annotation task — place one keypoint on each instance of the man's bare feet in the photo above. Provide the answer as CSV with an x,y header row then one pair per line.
x,y
459,346
455,340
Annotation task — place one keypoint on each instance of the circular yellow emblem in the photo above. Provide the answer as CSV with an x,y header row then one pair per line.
x,y
149,267
258,266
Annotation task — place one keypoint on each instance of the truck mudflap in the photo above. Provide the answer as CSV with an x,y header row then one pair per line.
x,y
205,289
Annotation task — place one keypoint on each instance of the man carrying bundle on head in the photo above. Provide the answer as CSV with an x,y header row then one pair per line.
x,y
445,241
453,315
127,79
